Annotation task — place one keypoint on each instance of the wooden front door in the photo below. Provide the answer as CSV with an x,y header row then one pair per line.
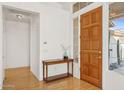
x,y
91,46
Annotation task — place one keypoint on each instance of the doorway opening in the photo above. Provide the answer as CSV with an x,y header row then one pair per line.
x,y
116,37
21,39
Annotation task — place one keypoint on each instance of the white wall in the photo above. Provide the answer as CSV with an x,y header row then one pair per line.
x,y
55,28
55,31
34,44
1,55
17,44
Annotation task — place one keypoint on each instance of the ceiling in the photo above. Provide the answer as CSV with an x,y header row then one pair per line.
x,y
117,10
66,5
11,14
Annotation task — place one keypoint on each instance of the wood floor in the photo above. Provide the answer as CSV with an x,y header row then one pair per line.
x,y
23,79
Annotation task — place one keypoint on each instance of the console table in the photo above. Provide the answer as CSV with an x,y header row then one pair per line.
x,y
53,62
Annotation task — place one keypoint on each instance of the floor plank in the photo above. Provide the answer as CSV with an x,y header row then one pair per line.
x,y
23,79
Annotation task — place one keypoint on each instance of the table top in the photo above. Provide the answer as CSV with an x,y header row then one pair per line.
x,y
57,61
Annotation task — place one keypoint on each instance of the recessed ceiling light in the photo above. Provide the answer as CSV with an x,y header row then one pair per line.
x,y
19,16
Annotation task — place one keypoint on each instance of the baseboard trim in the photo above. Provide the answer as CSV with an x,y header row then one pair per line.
x,y
17,68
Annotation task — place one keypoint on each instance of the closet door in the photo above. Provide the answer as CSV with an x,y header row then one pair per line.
x,y
91,46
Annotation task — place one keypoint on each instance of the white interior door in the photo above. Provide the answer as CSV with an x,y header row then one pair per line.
x,y
17,48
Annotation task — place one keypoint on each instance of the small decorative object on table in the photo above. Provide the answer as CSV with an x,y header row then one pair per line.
x,y
65,54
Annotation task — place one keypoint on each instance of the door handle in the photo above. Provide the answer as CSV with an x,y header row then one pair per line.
x,y
99,52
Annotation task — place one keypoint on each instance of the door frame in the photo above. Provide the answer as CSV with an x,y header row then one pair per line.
x,y
100,39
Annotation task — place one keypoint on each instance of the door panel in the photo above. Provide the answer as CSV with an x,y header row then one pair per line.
x,y
85,39
85,58
95,37
86,20
95,16
94,60
94,72
91,46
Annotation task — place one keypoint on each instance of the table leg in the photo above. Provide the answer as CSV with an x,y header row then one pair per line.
x,y
46,72
72,69
68,68
43,71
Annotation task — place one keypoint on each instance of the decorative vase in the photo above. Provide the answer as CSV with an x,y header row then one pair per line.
x,y
65,56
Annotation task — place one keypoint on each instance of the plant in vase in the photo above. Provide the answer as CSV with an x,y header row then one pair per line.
x,y
65,53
